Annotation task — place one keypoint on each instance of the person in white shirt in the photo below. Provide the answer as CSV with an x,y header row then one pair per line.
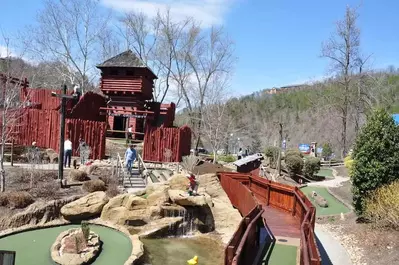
x,y
67,152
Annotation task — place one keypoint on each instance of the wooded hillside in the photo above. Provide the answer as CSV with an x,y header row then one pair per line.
x,y
309,115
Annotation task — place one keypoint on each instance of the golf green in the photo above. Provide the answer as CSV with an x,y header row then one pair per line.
x,y
283,254
335,207
33,247
325,172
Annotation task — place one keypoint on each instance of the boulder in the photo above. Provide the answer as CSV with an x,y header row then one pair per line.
x,y
62,251
178,182
88,169
319,199
126,208
85,207
182,198
157,194
226,218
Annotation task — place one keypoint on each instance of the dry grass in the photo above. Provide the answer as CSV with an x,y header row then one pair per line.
x,y
16,199
189,162
78,175
94,185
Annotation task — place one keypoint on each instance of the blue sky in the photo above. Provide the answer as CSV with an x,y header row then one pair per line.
x,y
278,42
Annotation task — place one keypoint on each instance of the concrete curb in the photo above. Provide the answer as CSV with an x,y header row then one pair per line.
x,y
331,250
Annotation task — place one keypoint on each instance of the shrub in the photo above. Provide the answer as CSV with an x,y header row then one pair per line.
x,y
293,152
3,199
94,185
78,175
294,164
382,207
85,230
348,163
376,157
18,199
272,153
227,158
189,162
327,151
311,166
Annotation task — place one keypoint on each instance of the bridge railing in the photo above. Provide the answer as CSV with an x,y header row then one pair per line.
x,y
245,191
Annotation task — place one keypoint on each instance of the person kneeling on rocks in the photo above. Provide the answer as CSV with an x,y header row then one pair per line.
x,y
193,186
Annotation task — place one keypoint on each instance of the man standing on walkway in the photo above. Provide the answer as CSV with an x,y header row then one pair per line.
x,y
67,152
130,157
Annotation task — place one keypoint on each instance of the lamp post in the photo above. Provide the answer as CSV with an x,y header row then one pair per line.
x,y
63,96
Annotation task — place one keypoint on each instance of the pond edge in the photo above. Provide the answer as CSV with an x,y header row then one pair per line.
x,y
137,245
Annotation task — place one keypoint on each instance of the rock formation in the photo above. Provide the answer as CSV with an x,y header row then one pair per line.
x,y
65,250
37,213
85,207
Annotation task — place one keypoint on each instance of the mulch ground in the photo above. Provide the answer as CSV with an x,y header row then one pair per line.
x,y
369,244
208,168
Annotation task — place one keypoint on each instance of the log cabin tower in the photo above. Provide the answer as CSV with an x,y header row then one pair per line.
x,y
128,85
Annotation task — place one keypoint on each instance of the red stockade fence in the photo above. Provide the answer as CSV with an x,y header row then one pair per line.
x,y
158,140
43,127
249,195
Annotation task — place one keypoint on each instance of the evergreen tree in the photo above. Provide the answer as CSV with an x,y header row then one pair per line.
x,y
376,157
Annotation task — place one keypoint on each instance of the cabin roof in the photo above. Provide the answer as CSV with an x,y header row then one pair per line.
x,y
127,59
248,159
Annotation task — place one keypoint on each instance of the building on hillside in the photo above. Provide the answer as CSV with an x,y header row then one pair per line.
x,y
128,85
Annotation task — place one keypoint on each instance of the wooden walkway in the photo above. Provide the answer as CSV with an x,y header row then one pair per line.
x,y
281,223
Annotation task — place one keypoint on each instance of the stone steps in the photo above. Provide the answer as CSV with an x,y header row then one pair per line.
x,y
133,180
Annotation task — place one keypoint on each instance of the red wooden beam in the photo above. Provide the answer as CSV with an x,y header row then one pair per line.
x,y
133,111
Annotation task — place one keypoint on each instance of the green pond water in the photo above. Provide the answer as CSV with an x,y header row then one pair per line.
x,y
33,247
176,251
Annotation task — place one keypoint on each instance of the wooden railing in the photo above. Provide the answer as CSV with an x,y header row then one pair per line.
x,y
247,192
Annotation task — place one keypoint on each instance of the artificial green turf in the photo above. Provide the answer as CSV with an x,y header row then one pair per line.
x,y
33,247
335,207
282,255
325,172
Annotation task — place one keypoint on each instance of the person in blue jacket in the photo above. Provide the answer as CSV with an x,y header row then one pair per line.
x,y
130,157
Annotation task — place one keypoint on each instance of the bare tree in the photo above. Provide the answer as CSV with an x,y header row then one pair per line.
x,y
161,44
343,51
217,124
211,59
68,32
11,107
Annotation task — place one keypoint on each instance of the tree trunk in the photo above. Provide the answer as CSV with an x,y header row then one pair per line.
x,y
214,156
343,136
3,141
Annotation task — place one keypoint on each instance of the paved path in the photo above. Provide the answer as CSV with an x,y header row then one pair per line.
x,y
335,182
40,166
331,251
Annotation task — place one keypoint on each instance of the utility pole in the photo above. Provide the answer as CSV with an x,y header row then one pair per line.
x,y
63,97
279,153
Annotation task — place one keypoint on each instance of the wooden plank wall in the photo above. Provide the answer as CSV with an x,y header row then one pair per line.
x,y
43,127
157,140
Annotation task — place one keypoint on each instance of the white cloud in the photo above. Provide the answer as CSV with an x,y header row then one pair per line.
x,y
4,52
208,12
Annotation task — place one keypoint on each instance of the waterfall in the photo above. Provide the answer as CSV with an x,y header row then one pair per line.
x,y
188,225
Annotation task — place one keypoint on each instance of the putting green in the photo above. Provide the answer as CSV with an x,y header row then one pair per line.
x,y
325,172
335,207
282,254
33,247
